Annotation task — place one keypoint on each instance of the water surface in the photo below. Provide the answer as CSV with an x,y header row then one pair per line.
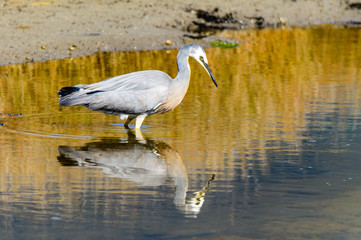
x,y
273,153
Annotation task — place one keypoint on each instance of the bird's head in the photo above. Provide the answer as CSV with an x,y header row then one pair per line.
x,y
198,53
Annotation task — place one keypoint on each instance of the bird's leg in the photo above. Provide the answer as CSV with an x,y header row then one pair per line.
x,y
129,119
139,120
139,136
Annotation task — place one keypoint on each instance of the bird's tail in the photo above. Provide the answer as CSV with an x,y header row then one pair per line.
x,y
67,90
68,96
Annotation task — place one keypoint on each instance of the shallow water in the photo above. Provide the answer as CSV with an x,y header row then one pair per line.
x,y
273,153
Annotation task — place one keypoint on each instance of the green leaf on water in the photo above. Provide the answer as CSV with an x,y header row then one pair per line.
x,y
225,44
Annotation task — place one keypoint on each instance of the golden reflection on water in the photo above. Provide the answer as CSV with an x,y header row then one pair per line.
x,y
268,89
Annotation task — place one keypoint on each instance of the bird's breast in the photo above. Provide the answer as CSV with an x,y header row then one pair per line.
x,y
172,101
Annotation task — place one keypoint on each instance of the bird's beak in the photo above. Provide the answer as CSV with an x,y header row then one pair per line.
x,y
205,65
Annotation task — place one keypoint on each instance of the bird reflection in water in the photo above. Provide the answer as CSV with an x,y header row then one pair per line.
x,y
142,161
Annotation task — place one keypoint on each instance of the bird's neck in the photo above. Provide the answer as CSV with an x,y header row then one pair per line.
x,y
184,71
179,84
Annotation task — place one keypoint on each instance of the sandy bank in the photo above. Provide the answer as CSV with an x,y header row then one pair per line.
x,y
38,30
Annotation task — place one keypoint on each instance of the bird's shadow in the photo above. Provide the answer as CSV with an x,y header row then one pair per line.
x,y
144,162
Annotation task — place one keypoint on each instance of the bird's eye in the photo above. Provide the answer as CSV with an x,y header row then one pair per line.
x,y
201,58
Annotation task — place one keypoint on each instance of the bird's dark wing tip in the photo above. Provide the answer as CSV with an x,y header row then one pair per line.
x,y
67,90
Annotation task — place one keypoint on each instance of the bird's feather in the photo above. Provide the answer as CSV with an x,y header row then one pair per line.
x,y
132,93
132,81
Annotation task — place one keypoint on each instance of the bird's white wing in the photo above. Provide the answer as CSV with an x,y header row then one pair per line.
x,y
129,102
132,81
133,93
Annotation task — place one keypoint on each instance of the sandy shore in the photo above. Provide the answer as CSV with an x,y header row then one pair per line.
x,y
39,30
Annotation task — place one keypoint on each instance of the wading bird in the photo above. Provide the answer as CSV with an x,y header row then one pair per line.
x,y
138,94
